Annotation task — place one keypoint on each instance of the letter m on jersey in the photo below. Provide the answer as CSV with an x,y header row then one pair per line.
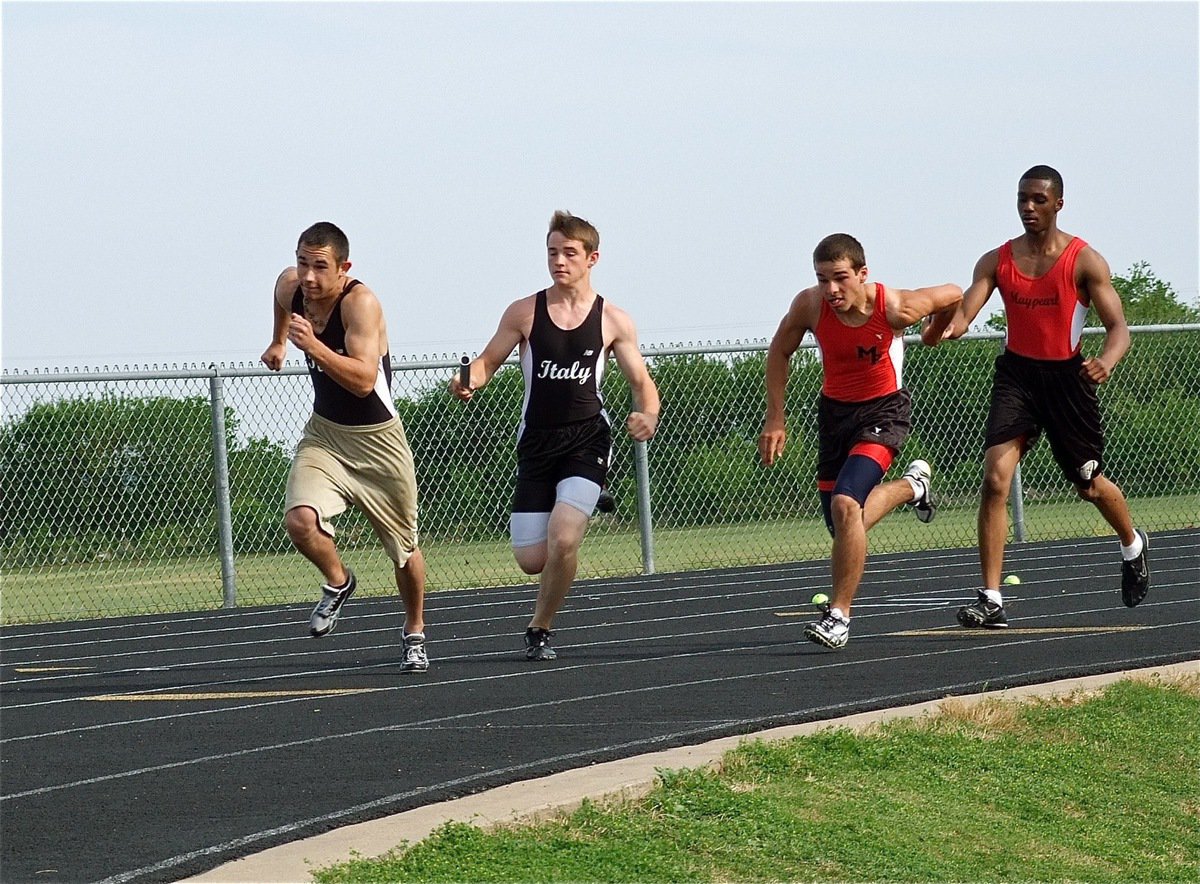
x,y
871,353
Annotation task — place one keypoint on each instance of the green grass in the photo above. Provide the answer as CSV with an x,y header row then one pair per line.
x,y
1102,788
612,549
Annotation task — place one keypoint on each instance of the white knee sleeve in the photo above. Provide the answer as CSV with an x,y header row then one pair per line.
x,y
528,529
578,492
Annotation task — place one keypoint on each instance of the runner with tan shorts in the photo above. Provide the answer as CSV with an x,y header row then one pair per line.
x,y
354,451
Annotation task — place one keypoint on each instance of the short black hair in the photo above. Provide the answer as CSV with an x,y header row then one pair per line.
x,y
324,233
1046,173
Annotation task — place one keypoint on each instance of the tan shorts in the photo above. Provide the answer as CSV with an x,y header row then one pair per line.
x,y
369,467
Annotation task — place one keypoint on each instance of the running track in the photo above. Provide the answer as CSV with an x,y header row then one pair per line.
x,y
153,748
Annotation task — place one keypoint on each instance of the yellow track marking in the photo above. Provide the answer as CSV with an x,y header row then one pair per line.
x,y
227,695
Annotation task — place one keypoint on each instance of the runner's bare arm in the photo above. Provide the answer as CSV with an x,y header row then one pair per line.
x,y
356,369
800,318
276,352
1094,276
643,420
515,326
983,283
935,304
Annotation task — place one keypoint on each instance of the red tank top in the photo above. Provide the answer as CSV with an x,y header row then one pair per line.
x,y
1045,313
860,363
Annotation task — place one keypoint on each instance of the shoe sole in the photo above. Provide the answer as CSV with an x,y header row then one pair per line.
x,y
818,639
404,667
971,623
540,654
321,633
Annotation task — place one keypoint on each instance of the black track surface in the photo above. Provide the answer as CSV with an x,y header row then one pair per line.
x,y
152,748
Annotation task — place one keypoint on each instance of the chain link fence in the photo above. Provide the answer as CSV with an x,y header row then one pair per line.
x,y
140,491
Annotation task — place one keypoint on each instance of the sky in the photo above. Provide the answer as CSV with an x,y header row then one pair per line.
x,y
161,159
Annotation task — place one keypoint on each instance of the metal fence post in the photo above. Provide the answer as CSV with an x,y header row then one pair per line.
x,y
642,469
216,392
1016,496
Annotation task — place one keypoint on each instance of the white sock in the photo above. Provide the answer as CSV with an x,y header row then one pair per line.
x,y
1134,549
837,612
916,487
993,596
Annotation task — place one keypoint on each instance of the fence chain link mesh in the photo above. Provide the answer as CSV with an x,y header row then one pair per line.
x,y
107,478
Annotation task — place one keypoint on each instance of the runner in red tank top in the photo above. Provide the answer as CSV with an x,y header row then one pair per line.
x,y
863,414
1047,279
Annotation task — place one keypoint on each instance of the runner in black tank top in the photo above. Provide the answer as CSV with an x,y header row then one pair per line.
x,y
330,399
565,437
353,450
563,368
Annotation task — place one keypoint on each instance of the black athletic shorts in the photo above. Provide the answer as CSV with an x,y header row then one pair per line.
x,y
547,456
840,425
1030,396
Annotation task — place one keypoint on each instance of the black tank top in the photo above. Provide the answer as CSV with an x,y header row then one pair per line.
x,y
331,400
563,368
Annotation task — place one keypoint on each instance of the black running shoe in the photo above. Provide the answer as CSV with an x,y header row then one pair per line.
x,y
1135,575
831,630
325,615
537,644
984,613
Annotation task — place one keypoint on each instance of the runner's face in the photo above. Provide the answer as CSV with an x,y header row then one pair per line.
x,y
318,271
1037,204
568,259
842,287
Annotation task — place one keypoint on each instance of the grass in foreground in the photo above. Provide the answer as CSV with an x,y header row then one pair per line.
x,y
1100,788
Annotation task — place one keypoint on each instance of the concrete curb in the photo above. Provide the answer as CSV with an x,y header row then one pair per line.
x,y
563,792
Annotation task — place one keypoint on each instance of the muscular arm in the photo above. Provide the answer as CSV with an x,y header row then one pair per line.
x,y
983,283
939,303
643,420
357,369
800,318
276,352
514,328
1095,278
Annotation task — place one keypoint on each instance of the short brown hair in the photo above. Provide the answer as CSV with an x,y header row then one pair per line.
x,y
325,233
573,227
837,246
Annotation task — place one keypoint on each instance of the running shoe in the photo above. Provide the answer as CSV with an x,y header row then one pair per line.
x,y
832,630
415,658
537,644
924,506
984,613
1135,575
325,615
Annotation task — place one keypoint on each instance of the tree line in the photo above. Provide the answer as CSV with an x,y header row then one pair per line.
x,y
132,477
